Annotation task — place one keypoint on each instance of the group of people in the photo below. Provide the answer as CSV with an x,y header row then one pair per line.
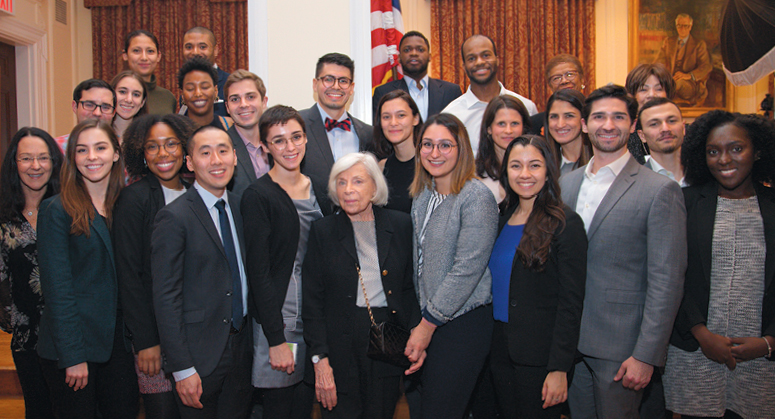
x,y
599,253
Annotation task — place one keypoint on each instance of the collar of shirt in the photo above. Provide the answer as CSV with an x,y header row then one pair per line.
x,y
472,101
324,115
683,41
208,198
564,160
258,155
615,167
658,168
412,83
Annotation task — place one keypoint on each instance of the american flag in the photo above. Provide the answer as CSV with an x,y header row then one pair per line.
x,y
387,28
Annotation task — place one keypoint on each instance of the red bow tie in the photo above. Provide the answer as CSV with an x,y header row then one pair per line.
x,y
331,124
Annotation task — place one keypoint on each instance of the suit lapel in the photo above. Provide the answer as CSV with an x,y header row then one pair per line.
x,y
767,208
203,215
98,225
346,235
360,131
237,216
434,96
574,185
705,217
319,137
244,162
621,184
384,234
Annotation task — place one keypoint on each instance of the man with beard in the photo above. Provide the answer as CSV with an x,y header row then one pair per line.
x,y
636,261
480,59
662,127
331,131
246,101
430,95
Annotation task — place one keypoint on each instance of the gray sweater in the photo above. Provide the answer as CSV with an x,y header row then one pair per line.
x,y
458,242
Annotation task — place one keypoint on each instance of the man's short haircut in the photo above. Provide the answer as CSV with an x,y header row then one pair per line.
x,y
240,75
411,34
612,91
494,49
191,143
204,31
638,76
197,63
338,59
91,84
278,115
685,16
560,59
137,32
657,101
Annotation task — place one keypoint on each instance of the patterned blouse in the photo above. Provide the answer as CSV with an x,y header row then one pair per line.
x,y
21,300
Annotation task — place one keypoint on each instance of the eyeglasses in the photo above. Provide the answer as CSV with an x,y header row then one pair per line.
x,y
27,160
682,26
153,148
282,143
91,106
445,147
570,76
328,81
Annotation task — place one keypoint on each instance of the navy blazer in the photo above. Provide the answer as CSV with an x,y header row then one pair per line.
x,y
701,216
331,286
192,286
545,307
440,94
244,174
78,278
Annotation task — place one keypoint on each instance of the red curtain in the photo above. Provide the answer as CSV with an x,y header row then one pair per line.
x,y
112,20
527,33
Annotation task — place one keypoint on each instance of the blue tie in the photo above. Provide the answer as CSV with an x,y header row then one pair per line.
x,y
231,255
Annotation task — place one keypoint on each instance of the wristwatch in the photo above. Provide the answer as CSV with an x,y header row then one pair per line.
x,y
317,358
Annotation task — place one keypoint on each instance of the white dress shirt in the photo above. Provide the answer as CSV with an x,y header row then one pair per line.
x,y
658,168
420,96
470,110
595,186
342,142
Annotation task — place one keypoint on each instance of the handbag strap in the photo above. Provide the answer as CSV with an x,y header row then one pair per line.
x,y
365,297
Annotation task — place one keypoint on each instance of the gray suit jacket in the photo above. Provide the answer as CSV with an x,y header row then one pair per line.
x,y
244,174
636,261
319,158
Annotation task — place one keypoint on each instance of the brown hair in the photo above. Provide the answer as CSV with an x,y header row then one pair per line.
x,y
75,198
240,75
382,146
638,76
129,73
464,168
487,163
547,214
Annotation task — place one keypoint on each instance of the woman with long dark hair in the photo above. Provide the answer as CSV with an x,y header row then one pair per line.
x,y
505,119
30,174
397,125
131,95
154,152
86,361
538,267
563,130
719,362
455,221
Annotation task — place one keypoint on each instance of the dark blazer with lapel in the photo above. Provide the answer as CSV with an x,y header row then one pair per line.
x,y
133,218
244,174
440,93
636,262
271,226
78,278
192,284
701,217
319,158
545,307
331,286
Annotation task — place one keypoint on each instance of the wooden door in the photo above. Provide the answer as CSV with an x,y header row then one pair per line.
x,y
8,121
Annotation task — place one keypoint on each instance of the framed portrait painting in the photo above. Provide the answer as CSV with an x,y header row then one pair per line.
x,y
683,35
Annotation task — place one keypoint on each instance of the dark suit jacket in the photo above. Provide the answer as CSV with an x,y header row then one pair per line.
x,y
319,158
701,216
132,227
271,226
331,285
545,307
440,94
244,174
192,287
78,278
636,262
696,59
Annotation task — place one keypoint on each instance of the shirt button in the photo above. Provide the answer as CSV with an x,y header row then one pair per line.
x,y
228,293
394,312
384,273
513,303
586,205
390,292
225,321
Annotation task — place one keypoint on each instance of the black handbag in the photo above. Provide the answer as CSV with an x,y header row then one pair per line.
x,y
387,340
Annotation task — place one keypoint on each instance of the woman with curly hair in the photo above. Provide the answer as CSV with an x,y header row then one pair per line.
x,y
154,149
728,309
505,119
30,174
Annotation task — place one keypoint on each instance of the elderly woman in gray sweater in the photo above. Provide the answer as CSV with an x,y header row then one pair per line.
x,y
455,220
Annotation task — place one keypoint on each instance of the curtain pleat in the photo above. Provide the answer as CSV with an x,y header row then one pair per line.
x,y
527,33
168,20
